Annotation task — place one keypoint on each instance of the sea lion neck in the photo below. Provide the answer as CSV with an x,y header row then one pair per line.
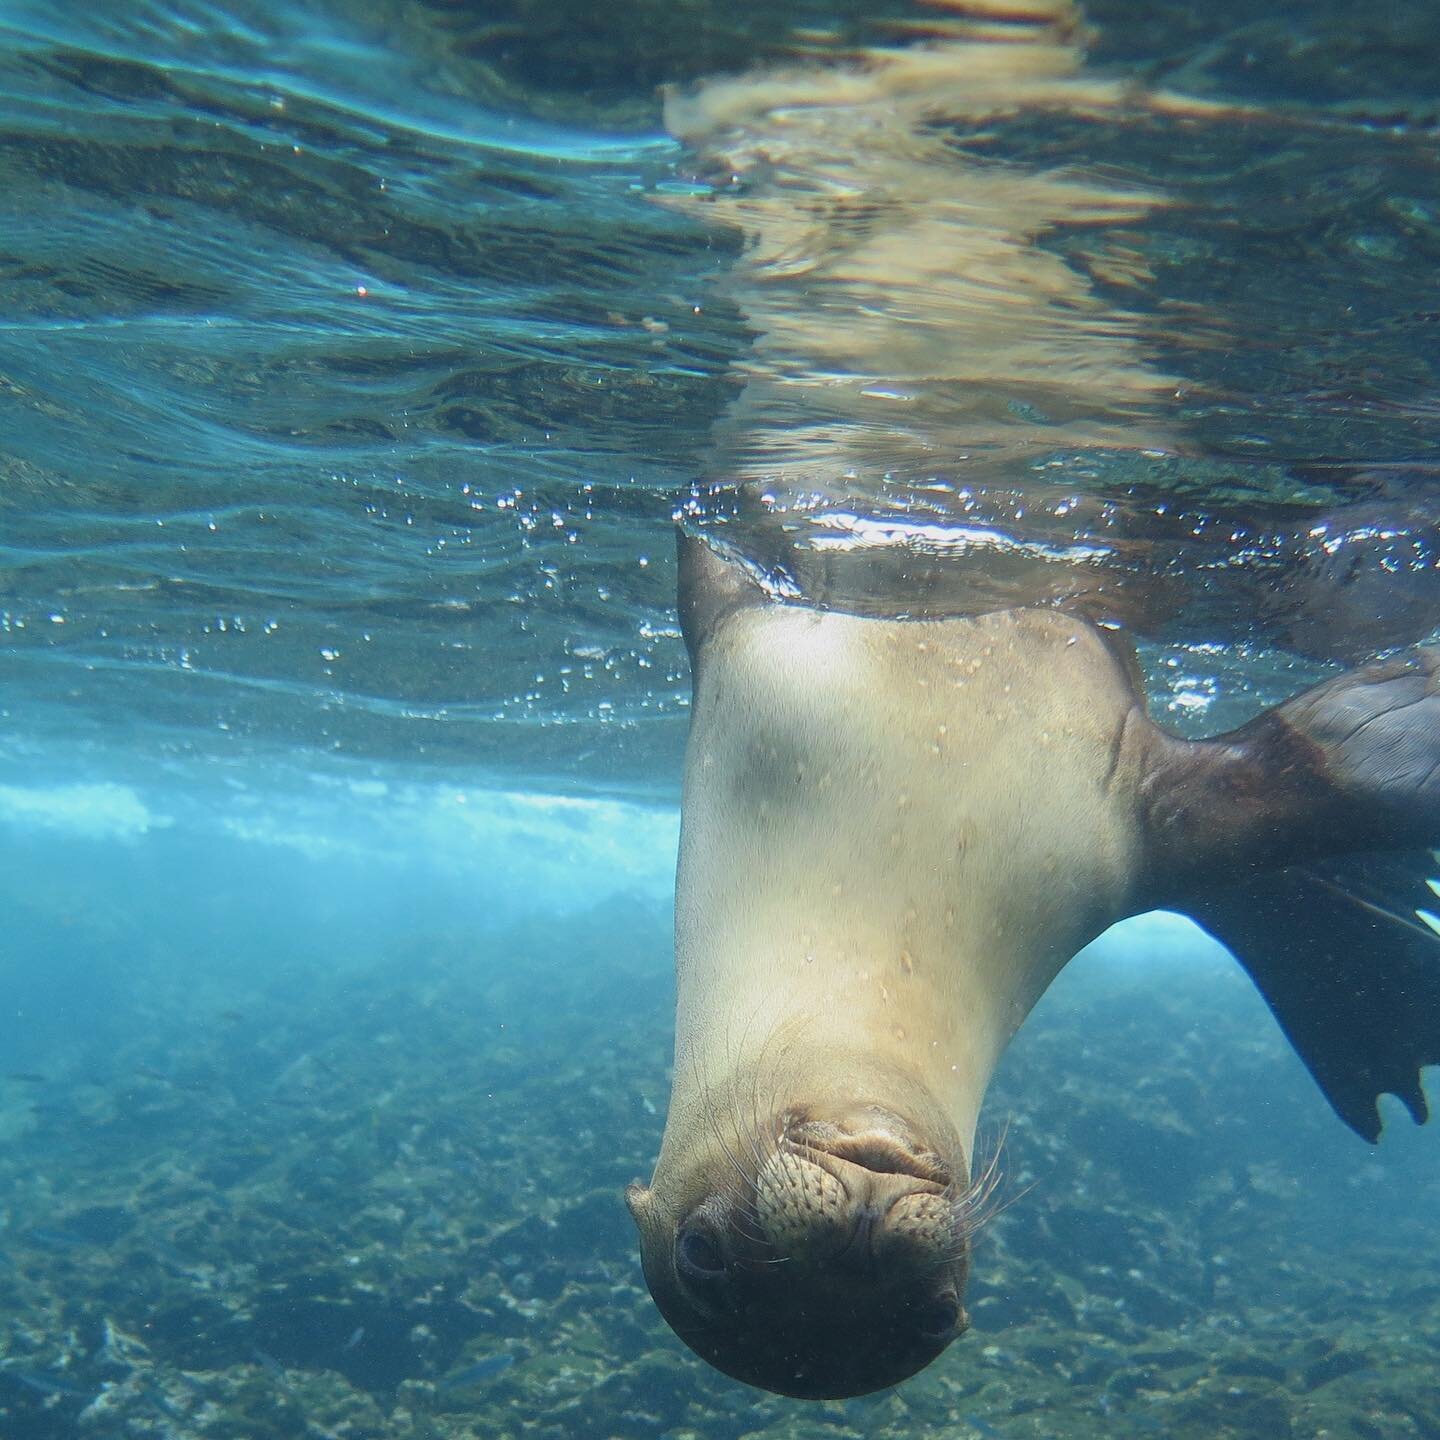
x,y
858,873
895,833
817,1029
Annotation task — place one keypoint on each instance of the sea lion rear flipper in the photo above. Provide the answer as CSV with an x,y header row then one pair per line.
x,y
1302,841
1349,971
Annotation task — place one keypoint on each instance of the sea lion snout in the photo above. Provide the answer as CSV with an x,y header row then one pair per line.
x,y
852,1197
830,1262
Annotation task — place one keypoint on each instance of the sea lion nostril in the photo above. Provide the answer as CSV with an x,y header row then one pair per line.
x,y
698,1255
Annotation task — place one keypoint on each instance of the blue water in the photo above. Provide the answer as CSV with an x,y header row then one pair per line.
x,y
354,362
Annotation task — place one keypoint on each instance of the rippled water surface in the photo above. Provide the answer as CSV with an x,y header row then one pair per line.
x,y
356,358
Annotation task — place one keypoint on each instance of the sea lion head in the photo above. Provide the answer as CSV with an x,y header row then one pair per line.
x,y
822,1256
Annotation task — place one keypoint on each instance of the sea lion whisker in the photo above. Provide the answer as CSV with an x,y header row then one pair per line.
x,y
743,1215
987,1208
754,1132
762,1138
745,1208
750,1132
746,1177
748,1129
976,1195
990,1169
971,1203
969,1224
753,1236
747,1180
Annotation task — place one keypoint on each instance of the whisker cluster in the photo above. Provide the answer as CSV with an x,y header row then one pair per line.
x,y
978,1201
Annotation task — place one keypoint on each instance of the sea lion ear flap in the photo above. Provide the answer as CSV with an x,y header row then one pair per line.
x,y
712,588
639,1201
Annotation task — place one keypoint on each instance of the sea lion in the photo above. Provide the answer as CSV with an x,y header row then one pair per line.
x,y
921,775
895,833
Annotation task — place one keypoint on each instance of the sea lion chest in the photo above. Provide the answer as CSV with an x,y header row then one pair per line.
x,y
872,801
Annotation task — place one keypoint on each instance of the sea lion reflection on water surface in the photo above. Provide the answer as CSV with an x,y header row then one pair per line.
x,y
897,831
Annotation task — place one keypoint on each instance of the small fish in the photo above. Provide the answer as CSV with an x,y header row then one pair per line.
x,y
161,1401
356,1336
27,1077
196,1083
168,1256
486,1369
289,1102
269,1364
44,1385
54,1239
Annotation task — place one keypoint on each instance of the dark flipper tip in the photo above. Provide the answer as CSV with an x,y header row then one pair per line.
x,y
1349,971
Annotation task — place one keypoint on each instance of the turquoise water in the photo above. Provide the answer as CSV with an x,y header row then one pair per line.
x,y
354,362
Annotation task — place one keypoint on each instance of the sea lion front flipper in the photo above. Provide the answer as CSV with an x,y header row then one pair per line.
x,y
711,588
1302,842
1348,970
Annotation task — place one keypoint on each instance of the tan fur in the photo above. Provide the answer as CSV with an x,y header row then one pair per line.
x,y
895,834
856,866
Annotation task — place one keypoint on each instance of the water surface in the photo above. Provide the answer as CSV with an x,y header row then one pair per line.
x,y
355,361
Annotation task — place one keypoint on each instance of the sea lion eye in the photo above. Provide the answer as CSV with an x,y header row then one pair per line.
x,y
936,1320
697,1255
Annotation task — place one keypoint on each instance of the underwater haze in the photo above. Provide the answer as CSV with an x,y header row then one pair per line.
x,y
356,360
